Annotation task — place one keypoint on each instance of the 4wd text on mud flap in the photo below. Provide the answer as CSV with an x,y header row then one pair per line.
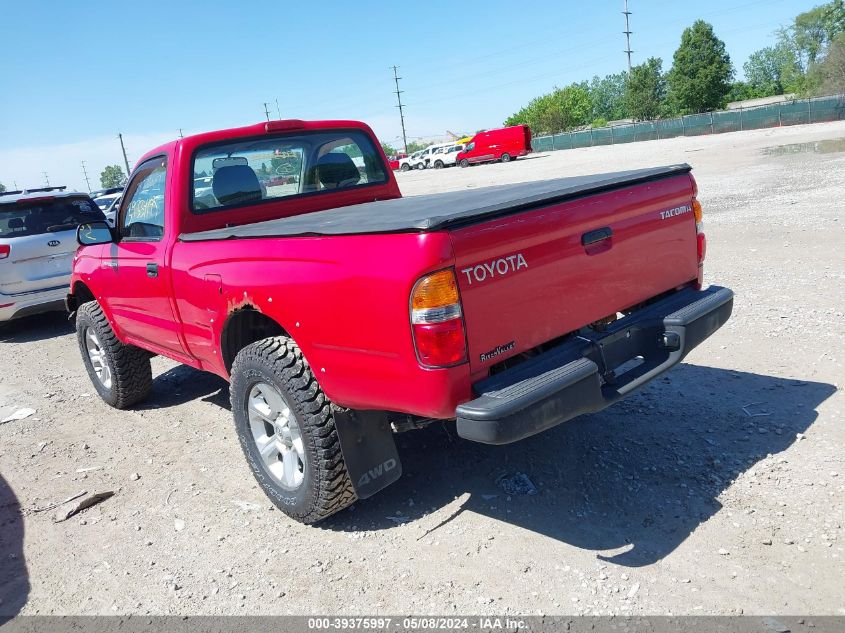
x,y
378,471
495,268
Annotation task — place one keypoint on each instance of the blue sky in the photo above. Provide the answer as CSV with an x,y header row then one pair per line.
x,y
75,73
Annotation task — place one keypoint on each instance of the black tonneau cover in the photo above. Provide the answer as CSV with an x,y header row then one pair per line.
x,y
437,211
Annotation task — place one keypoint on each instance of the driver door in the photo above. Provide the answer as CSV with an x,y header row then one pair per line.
x,y
135,265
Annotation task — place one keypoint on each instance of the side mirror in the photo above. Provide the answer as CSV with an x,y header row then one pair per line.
x,y
94,233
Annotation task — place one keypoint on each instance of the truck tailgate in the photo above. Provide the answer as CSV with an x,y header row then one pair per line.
x,y
542,272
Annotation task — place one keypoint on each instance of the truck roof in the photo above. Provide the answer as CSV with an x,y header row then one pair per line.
x,y
257,129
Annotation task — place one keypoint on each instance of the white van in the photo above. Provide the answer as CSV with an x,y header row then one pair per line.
x,y
447,157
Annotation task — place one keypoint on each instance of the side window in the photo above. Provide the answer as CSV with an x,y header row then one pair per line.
x,y
142,205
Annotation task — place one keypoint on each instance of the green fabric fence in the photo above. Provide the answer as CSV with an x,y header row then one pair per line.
x,y
816,110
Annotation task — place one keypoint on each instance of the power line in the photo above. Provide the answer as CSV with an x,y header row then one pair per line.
x,y
85,171
278,111
627,33
46,178
123,149
396,78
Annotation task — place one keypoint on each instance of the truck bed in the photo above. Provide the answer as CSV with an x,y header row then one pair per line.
x,y
437,211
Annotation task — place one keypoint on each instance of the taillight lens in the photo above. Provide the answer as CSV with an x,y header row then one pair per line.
x,y
437,320
5,249
699,230
700,239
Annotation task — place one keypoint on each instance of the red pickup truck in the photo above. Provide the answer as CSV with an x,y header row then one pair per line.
x,y
342,313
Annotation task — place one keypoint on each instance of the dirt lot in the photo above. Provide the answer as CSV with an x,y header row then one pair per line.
x,y
717,489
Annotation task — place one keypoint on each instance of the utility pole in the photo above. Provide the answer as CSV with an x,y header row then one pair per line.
x,y
180,133
278,111
84,171
46,178
627,33
123,148
401,111
266,111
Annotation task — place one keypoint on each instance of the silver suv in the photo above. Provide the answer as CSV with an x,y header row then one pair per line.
x,y
37,243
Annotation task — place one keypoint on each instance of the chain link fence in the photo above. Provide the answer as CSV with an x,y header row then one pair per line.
x,y
794,112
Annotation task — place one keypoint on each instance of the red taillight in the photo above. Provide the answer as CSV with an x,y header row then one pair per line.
x,y
699,230
441,344
700,240
5,249
437,321
284,124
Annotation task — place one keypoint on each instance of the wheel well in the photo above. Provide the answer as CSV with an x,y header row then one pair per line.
x,y
82,293
243,327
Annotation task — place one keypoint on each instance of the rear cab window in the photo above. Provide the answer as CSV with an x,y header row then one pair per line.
x,y
254,171
46,215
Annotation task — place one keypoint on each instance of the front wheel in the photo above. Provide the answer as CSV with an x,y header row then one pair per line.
x,y
420,165
405,167
506,158
464,162
121,373
286,429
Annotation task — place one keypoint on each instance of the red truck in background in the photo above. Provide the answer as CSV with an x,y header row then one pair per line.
x,y
393,161
505,144
342,313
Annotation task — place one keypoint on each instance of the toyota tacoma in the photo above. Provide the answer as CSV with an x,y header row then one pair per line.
x,y
342,313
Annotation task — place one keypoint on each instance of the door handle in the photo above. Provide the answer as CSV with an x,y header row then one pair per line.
x,y
591,237
152,269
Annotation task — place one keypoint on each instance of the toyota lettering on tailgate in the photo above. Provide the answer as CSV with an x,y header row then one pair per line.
x,y
494,268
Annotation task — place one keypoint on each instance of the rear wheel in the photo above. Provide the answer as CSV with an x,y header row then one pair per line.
x,y
286,429
405,167
464,162
438,164
506,158
121,374
420,165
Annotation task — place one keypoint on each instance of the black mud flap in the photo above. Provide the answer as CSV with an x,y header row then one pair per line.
x,y
369,450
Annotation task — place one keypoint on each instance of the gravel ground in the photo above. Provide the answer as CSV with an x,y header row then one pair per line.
x,y
717,489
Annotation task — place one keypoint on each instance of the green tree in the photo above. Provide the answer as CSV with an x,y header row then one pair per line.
x,y
829,74
814,30
112,176
389,150
645,91
415,146
701,73
773,70
558,111
740,91
607,95
2,187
